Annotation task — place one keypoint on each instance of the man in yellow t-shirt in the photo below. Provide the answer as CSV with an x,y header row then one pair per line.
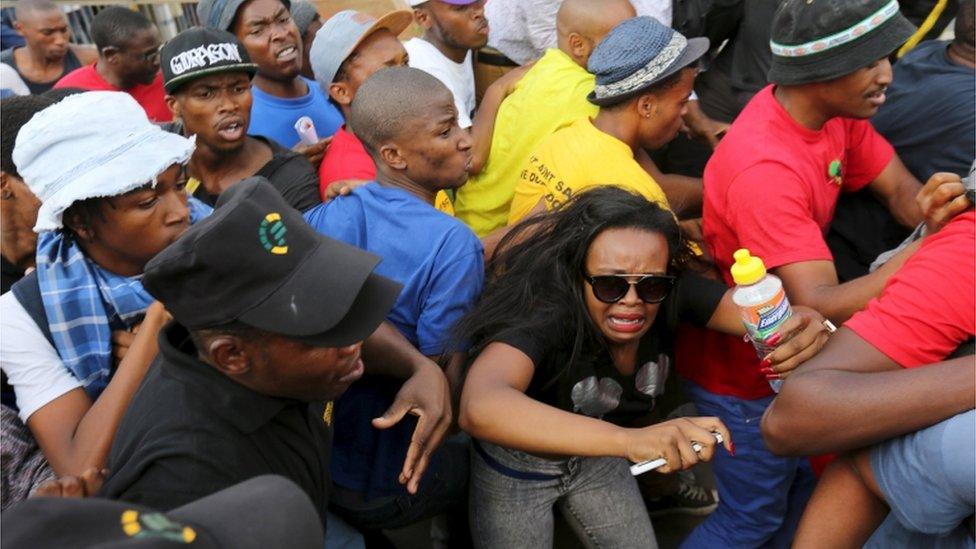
x,y
550,95
644,75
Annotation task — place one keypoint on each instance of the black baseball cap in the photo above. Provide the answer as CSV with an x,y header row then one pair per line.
x,y
265,511
256,262
200,51
827,39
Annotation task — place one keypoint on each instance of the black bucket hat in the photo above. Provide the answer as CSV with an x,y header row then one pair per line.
x,y
816,41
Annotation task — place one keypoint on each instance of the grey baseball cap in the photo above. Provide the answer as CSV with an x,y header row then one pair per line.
x,y
303,12
219,14
342,33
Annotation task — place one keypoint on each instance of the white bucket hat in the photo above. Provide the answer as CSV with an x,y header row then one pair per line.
x,y
91,145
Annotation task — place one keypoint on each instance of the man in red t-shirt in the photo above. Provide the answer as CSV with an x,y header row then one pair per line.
x,y
349,48
128,61
771,186
872,382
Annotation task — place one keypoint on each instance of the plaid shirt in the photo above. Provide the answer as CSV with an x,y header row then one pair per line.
x,y
84,303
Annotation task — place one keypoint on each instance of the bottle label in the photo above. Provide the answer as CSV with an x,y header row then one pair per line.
x,y
763,320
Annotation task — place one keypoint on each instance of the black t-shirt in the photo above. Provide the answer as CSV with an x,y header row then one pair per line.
x,y
191,431
287,171
70,63
599,389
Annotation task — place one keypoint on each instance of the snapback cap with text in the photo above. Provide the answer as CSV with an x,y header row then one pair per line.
x,y
198,52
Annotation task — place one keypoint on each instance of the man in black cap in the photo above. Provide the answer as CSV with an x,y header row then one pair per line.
x,y
771,187
269,322
207,75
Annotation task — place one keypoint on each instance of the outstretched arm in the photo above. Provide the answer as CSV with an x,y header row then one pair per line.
x,y
425,393
495,408
852,395
483,125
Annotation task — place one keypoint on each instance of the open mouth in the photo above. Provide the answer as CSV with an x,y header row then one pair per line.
x,y
231,130
626,323
288,53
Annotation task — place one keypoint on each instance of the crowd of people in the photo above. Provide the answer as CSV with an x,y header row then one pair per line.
x,y
290,280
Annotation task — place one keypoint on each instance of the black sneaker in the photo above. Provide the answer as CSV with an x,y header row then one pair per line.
x,y
690,499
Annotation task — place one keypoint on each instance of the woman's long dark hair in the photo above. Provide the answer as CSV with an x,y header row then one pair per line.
x,y
534,281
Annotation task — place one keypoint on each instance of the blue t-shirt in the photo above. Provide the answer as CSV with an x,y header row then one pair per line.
x,y
930,115
440,263
275,117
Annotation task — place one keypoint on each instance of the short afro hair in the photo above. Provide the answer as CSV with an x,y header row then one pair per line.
x,y
25,8
14,113
388,100
114,26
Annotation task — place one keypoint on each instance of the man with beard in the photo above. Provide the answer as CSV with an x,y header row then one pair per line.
x,y
47,55
207,74
128,61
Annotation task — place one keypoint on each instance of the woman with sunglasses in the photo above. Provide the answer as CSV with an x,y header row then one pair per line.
x,y
572,337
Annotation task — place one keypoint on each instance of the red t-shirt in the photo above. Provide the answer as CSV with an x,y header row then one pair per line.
x,y
346,158
928,308
152,97
771,186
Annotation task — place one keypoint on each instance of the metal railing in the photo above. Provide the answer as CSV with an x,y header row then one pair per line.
x,y
172,17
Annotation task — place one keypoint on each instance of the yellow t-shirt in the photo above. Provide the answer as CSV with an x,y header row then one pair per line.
x,y
443,203
576,158
551,94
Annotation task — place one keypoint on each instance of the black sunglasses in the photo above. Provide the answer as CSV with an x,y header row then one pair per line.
x,y
652,288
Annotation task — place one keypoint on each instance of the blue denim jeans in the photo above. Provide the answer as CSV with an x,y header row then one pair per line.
x,y
597,496
761,495
443,490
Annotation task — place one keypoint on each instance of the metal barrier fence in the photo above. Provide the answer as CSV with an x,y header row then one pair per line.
x,y
174,17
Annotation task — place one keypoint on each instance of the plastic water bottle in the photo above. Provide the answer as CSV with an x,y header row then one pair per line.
x,y
762,302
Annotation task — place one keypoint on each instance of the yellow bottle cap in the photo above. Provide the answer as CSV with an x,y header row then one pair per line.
x,y
747,269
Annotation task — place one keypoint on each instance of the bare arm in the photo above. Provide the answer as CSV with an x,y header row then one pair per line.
x,y
425,393
494,408
897,188
814,284
76,434
684,193
851,395
483,125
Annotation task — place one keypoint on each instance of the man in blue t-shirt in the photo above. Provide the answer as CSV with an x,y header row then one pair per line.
x,y
280,94
408,122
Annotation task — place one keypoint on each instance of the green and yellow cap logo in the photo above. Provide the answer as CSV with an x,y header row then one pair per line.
x,y
272,234
155,525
